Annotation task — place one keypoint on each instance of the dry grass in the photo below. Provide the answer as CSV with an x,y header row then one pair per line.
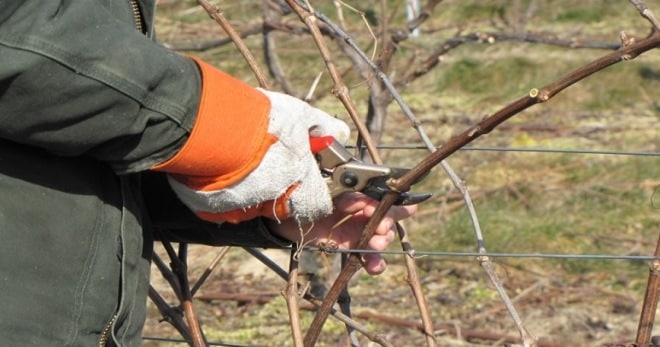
x,y
527,202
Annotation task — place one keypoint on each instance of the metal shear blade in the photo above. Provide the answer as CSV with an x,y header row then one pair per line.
x,y
345,173
377,190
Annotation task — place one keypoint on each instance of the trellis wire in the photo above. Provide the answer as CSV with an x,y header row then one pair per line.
x,y
432,253
505,254
456,254
494,254
182,341
531,150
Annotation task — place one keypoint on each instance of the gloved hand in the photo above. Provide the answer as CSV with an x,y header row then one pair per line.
x,y
287,172
284,181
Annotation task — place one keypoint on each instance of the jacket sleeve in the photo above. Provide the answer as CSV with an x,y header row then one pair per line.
x,y
76,80
173,222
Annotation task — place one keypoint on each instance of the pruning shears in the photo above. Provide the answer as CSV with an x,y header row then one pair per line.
x,y
345,173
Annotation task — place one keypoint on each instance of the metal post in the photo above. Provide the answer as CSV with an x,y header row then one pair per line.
x,y
412,10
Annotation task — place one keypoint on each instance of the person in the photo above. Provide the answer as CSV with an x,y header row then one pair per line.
x,y
109,141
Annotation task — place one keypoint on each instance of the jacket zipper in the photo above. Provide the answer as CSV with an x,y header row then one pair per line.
x,y
107,330
137,19
137,16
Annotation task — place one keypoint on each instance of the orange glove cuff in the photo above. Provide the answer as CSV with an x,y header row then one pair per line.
x,y
229,137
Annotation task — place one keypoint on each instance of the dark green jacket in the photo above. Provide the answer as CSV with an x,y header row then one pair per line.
x,y
87,104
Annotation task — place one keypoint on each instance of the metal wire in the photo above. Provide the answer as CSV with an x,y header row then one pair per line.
x,y
416,253
529,150
512,255
182,341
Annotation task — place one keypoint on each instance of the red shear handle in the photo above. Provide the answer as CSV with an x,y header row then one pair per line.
x,y
317,144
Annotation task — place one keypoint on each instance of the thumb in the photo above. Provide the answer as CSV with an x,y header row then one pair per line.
x,y
323,124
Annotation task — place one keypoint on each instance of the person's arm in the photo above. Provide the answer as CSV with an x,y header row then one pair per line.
x,y
77,81
175,223
336,232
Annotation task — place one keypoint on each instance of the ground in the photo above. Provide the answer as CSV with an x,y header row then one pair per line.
x,y
575,203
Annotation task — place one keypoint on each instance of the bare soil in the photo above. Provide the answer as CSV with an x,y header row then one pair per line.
x,y
562,302
241,304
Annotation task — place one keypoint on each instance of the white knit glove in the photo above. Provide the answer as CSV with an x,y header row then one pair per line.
x,y
287,171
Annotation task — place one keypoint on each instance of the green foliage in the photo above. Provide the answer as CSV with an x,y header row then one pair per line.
x,y
607,201
581,15
474,10
486,77
526,203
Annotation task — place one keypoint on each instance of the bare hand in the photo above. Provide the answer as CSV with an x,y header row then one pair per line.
x,y
347,234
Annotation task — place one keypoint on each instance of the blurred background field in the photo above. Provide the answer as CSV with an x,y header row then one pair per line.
x,y
579,174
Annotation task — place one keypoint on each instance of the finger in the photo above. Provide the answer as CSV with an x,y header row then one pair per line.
x,y
326,125
350,203
354,202
374,264
385,226
396,212
381,242
401,212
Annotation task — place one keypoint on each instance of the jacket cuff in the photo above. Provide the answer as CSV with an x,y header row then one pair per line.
x,y
252,233
229,137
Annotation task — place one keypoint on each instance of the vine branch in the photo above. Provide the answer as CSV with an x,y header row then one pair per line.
x,y
403,184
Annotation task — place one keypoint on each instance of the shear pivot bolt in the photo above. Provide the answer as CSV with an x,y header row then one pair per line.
x,y
349,179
